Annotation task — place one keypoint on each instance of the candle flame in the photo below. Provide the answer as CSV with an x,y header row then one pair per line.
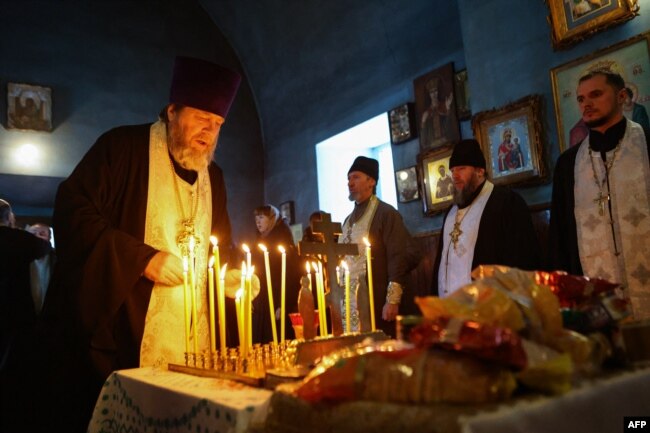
x,y
365,241
281,249
214,241
345,265
262,247
307,267
238,294
192,243
223,271
211,262
186,265
245,248
315,266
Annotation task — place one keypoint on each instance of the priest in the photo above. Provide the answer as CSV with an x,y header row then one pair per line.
x,y
142,198
487,224
394,253
600,214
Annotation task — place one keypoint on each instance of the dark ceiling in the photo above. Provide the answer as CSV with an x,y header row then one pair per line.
x,y
295,51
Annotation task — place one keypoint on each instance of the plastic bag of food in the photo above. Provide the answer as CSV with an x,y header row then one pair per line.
x,y
395,371
487,342
547,371
573,290
477,302
504,297
538,302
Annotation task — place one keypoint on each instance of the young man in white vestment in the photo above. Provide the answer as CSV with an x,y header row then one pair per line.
x,y
600,214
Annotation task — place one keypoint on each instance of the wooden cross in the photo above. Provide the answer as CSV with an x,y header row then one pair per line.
x,y
332,251
601,199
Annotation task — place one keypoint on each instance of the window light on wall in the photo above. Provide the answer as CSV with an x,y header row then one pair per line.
x,y
335,155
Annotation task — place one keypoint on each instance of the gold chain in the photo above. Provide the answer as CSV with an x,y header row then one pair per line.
x,y
187,230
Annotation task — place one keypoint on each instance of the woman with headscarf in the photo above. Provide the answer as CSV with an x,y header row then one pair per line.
x,y
273,231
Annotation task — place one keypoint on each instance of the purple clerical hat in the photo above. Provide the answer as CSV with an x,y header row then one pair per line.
x,y
204,85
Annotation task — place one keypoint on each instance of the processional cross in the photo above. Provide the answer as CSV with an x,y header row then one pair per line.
x,y
331,250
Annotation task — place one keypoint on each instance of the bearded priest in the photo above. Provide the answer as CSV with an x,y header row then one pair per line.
x,y
124,218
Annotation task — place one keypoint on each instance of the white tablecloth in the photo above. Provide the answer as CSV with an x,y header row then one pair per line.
x,y
596,406
153,400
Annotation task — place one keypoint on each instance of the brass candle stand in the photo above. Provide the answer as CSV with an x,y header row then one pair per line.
x,y
266,365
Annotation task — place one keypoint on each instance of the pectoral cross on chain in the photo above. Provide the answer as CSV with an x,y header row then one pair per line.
x,y
455,234
185,234
601,199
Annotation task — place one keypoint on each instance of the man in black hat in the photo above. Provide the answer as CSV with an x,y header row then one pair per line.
x,y
393,255
487,224
135,205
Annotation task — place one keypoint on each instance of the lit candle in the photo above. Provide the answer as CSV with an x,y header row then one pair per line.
x,y
240,324
195,314
322,321
242,287
248,255
371,297
221,302
243,275
215,253
321,282
249,306
213,336
270,292
283,288
186,293
346,273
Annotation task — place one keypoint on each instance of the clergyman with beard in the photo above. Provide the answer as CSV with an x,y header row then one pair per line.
x,y
600,211
487,224
124,219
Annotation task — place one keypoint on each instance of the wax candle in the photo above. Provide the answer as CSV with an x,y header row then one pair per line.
x,y
186,295
243,275
249,307
321,282
322,320
240,321
283,289
270,292
248,255
215,253
213,336
371,297
244,336
195,314
221,302
346,278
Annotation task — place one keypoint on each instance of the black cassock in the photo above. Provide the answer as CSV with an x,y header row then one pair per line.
x,y
96,305
506,235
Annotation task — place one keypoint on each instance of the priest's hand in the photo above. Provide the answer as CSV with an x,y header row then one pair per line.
x,y
165,268
389,312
